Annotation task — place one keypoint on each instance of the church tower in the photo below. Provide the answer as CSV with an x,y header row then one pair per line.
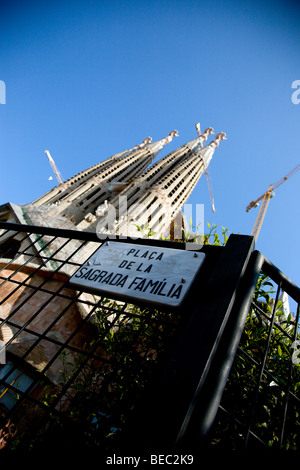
x,y
125,191
42,316
157,196
79,196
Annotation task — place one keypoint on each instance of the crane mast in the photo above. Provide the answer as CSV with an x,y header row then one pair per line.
x,y
265,202
207,176
54,168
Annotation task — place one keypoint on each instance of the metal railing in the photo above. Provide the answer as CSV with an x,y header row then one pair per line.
x,y
87,369
261,403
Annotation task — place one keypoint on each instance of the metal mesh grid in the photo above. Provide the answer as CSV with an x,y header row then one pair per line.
x,y
261,403
84,359
78,364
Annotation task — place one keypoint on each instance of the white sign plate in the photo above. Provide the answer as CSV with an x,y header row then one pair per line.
x,y
145,273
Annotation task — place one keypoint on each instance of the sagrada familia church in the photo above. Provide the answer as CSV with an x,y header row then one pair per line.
x,y
124,192
38,310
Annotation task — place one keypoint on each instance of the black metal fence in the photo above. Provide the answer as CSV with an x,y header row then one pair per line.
x,y
83,369
261,402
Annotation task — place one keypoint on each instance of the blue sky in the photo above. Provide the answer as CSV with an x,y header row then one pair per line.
x,y
88,79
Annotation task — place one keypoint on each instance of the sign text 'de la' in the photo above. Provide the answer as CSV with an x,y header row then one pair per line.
x,y
145,273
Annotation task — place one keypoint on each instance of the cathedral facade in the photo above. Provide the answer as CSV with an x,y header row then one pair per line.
x,y
124,192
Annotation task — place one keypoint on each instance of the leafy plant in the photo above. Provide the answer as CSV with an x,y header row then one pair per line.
x,y
213,237
145,230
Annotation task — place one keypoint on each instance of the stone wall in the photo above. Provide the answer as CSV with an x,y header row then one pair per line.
x,y
37,301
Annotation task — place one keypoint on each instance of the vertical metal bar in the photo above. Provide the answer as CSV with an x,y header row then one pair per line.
x,y
226,353
289,380
225,282
172,404
255,400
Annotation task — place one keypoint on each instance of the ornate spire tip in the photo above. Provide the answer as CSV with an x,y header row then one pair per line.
x,y
218,138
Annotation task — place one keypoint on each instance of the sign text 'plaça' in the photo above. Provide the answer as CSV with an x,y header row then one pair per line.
x,y
149,274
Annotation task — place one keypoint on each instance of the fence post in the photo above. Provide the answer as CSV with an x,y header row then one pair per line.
x,y
208,405
172,404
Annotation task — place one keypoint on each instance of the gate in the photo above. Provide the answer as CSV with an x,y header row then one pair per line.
x,y
84,368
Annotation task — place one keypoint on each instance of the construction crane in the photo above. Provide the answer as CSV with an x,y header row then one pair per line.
x,y
54,168
207,175
265,202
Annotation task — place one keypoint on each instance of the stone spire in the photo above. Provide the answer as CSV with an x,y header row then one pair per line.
x,y
209,150
79,196
155,197
128,189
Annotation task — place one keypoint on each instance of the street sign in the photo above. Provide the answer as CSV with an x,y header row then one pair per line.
x,y
138,272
